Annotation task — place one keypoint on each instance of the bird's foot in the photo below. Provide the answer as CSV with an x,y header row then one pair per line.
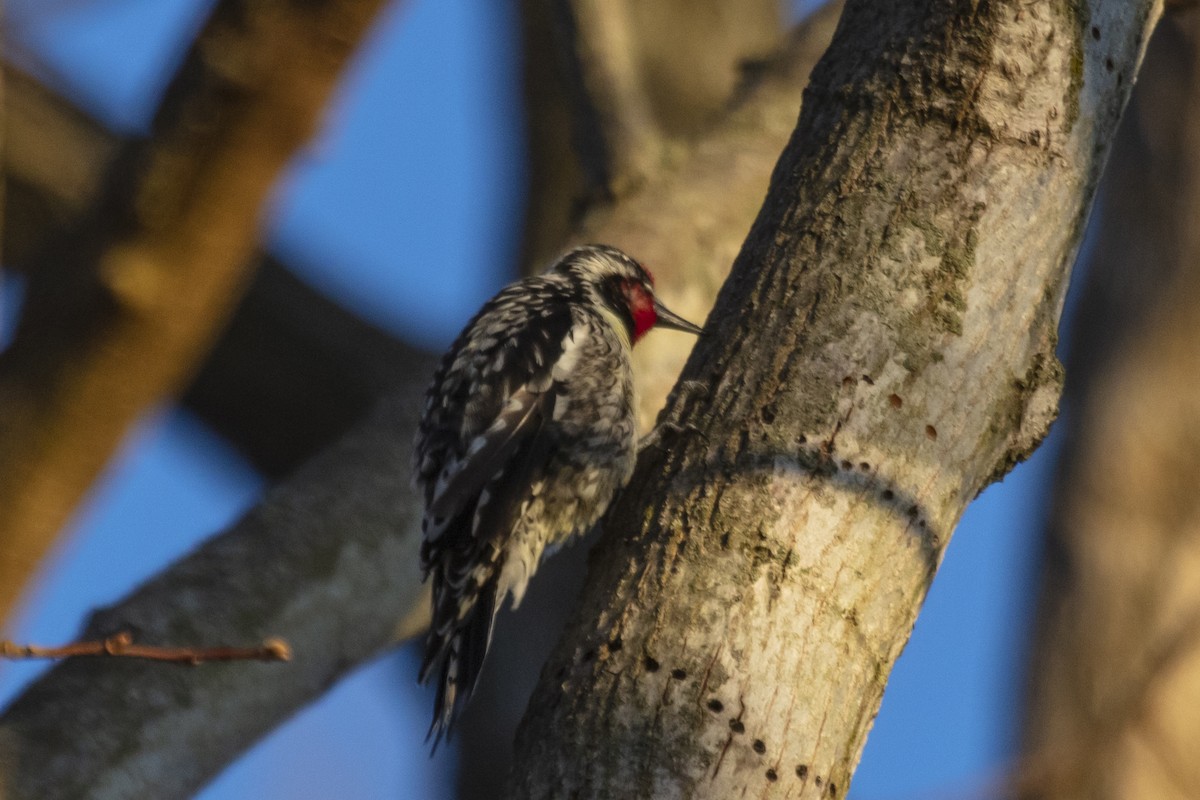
x,y
657,437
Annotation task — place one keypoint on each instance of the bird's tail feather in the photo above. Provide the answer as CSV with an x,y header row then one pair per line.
x,y
465,603
456,657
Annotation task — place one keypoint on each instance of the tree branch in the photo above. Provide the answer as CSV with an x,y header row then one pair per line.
x,y
54,159
294,371
638,74
616,134
326,561
121,645
881,352
694,54
555,186
290,373
127,303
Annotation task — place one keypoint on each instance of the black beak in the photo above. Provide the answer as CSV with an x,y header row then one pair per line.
x,y
669,319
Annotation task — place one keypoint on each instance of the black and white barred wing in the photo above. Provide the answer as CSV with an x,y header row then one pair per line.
x,y
462,483
464,551
495,397
486,397
511,345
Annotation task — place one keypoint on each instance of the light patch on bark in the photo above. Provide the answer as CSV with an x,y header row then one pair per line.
x,y
1032,62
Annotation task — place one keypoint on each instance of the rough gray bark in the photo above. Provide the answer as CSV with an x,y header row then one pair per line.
x,y
1116,671
883,349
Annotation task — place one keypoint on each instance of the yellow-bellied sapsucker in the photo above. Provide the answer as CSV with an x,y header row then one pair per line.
x,y
528,432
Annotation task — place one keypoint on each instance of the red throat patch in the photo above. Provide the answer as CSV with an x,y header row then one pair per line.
x,y
641,307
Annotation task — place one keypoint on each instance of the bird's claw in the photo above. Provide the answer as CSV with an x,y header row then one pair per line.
x,y
655,437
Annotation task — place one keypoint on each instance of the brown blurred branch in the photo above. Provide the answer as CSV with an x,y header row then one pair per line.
x,y
556,179
616,134
694,54
292,370
1116,673
54,160
3,189
128,301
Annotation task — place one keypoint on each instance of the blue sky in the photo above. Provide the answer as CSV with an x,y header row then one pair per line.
x,y
406,209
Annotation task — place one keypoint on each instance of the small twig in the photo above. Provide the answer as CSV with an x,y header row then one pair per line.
x,y
121,644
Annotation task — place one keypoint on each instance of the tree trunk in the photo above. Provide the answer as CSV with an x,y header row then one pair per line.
x,y
1116,672
881,352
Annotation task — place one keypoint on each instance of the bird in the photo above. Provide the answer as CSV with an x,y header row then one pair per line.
x,y
527,433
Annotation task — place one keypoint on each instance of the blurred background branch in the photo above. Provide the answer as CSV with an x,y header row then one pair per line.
x,y
1116,670
325,562
54,161
616,137
120,307
290,371
615,113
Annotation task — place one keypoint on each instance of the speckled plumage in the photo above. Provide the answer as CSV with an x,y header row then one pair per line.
x,y
528,432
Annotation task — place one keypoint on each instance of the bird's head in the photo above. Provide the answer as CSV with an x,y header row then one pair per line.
x,y
624,286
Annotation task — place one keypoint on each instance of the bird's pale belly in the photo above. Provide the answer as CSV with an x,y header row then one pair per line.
x,y
561,509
